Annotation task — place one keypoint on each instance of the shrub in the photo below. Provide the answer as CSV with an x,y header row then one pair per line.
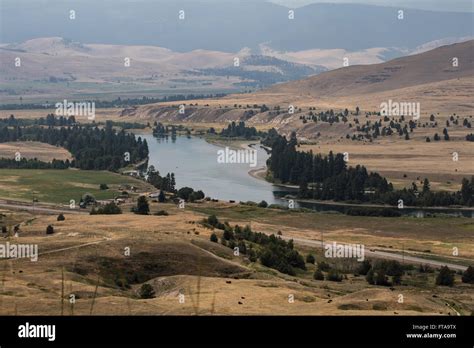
x,y
142,207
103,187
146,291
61,217
185,193
323,266
263,204
318,275
310,259
214,238
334,276
49,229
445,277
108,209
468,275
364,267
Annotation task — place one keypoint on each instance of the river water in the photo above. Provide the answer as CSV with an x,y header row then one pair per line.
x,y
194,163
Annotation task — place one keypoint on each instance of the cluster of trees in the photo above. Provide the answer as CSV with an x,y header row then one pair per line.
x,y
272,251
379,273
332,274
108,209
189,195
239,130
33,163
50,120
165,183
93,148
329,178
160,130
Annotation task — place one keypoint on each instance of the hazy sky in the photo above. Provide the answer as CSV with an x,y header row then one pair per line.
x,y
434,5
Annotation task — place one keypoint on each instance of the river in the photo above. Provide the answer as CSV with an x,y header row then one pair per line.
x,y
194,163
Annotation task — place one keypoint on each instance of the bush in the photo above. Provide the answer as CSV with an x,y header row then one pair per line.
x,y
103,187
468,275
146,291
108,209
364,267
142,207
214,238
252,255
310,259
61,217
334,276
263,204
323,266
49,229
318,275
445,277
4,229
185,193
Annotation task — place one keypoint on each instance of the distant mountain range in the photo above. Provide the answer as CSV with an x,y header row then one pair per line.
x,y
229,26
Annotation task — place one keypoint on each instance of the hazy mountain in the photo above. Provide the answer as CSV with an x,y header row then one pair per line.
x,y
228,26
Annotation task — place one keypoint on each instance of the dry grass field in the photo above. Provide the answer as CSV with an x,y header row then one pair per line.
x,y
404,162
32,149
85,257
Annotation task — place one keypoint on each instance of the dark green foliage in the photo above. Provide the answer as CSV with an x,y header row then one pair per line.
x,y
239,130
323,266
310,259
188,194
468,275
103,187
214,238
274,252
108,209
166,183
49,229
142,207
364,267
328,178
146,291
334,276
92,148
161,197
445,277
318,275
263,204
61,217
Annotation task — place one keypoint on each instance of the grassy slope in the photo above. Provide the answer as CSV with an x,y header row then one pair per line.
x,y
60,186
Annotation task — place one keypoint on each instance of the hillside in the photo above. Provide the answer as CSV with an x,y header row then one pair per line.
x,y
428,78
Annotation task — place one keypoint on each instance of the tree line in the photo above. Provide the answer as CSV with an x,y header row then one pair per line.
x,y
93,148
238,130
329,178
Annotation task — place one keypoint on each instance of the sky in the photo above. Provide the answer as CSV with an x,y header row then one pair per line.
x,y
434,5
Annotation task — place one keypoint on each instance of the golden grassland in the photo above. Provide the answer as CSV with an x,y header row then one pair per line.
x,y
33,149
86,257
